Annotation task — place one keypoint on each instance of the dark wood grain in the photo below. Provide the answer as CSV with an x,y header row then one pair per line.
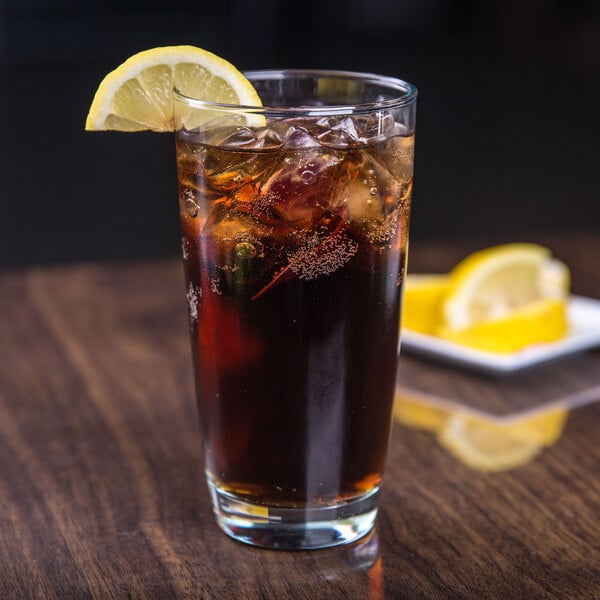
x,y
101,485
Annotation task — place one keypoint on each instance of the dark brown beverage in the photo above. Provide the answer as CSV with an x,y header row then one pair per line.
x,y
294,245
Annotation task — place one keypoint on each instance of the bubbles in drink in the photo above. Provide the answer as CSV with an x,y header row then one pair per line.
x,y
193,296
308,177
185,248
317,256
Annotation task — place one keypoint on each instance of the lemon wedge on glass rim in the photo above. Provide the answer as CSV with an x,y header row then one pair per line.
x,y
504,298
138,95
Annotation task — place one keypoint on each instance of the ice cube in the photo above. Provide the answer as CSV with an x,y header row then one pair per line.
x,y
374,217
377,171
356,202
340,133
374,127
230,227
268,139
230,137
297,136
227,171
370,199
347,125
397,154
297,193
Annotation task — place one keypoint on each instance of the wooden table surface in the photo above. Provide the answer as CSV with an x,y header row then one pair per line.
x,y
101,486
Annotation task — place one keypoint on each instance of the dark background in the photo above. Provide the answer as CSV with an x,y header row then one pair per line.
x,y
507,129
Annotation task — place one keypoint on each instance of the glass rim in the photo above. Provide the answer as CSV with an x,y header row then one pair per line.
x,y
407,94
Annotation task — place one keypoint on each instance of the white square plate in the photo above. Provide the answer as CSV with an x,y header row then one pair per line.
x,y
584,333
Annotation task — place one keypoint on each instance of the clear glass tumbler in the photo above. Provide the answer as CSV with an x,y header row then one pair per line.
x,y
294,234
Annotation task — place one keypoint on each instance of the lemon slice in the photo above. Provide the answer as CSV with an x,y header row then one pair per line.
x,y
138,95
416,412
486,445
421,305
545,428
492,283
538,322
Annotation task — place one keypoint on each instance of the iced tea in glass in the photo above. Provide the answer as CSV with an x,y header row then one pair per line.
x,y
294,235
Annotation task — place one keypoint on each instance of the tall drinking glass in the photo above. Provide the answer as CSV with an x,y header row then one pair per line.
x,y
295,228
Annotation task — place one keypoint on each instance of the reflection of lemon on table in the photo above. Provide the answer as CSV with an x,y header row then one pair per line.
x,y
484,444
488,445
501,299
415,412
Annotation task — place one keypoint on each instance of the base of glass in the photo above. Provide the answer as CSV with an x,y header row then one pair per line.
x,y
294,528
